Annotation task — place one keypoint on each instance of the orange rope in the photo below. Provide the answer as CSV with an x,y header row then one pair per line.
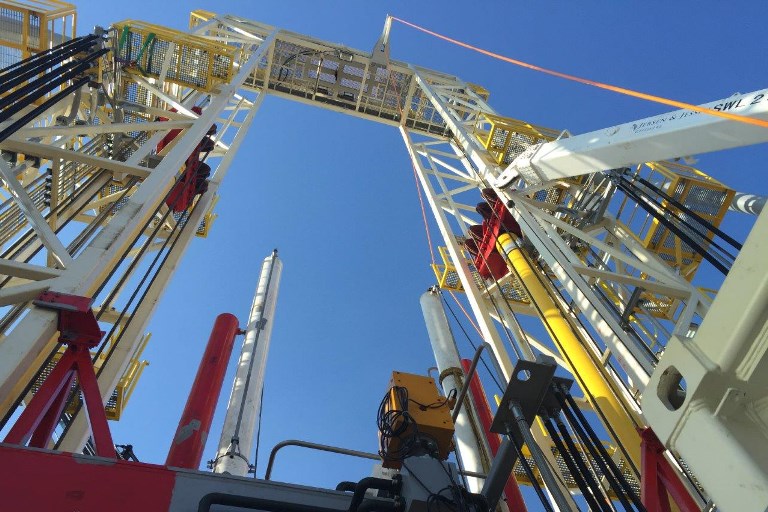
x,y
620,90
415,176
424,215
471,321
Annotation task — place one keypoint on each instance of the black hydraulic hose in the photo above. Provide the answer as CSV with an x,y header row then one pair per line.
x,y
29,92
40,87
4,134
677,231
613,482
649,199
704,222
346,486
579,476
371,482
39,67
531,475
688,230
588,436
583,467
29,61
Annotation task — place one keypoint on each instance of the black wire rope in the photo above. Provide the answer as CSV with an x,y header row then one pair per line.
x,y
658,208
589,487
531,475
715,260
589,438
258,434
131,317
472,343
695,216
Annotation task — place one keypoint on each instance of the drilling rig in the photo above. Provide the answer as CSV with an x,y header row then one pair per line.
x,y
114,147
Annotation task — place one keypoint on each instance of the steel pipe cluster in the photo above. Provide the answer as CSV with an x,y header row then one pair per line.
x,y
31,79
587,459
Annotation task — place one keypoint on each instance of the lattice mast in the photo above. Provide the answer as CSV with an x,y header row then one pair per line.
x,y
135,156
112,182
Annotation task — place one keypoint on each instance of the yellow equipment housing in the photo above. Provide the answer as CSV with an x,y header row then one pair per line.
x,y
430,412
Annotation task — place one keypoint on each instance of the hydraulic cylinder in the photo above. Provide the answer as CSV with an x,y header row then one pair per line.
x,y
598,392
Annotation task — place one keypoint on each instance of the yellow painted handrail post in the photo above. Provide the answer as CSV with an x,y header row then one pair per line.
x,y
588,375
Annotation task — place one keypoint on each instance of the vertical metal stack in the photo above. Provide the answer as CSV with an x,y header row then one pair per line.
x,y
241,423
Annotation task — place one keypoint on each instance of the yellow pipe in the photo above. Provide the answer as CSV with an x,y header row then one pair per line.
x,y
588,374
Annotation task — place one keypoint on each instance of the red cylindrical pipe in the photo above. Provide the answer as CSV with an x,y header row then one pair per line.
x,y
192,432
477,393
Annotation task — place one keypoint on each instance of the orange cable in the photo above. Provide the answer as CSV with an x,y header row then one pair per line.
x,y
424,215
620,90
415,176
466,314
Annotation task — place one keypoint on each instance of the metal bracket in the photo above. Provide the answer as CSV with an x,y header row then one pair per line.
x,y
550,405
77,323
527,388
80,332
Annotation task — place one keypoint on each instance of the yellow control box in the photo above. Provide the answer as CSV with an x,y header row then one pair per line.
x,y
414,416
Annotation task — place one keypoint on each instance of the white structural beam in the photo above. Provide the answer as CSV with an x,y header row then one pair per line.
x,y
33,215
113,368
708,398
29,338
27,270
94,129
50,152
671,135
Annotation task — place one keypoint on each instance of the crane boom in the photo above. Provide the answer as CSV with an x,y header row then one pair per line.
x,y
665,136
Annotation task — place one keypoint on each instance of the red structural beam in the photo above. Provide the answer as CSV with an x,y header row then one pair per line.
x,y
188,443
79,330
659,479
512,488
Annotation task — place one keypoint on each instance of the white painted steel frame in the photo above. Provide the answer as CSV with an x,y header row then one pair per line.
x,y
234,107
540,228
447,170
449,216
28,340
671,135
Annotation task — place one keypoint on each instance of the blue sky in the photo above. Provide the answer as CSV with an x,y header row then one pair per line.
x,y
336,195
